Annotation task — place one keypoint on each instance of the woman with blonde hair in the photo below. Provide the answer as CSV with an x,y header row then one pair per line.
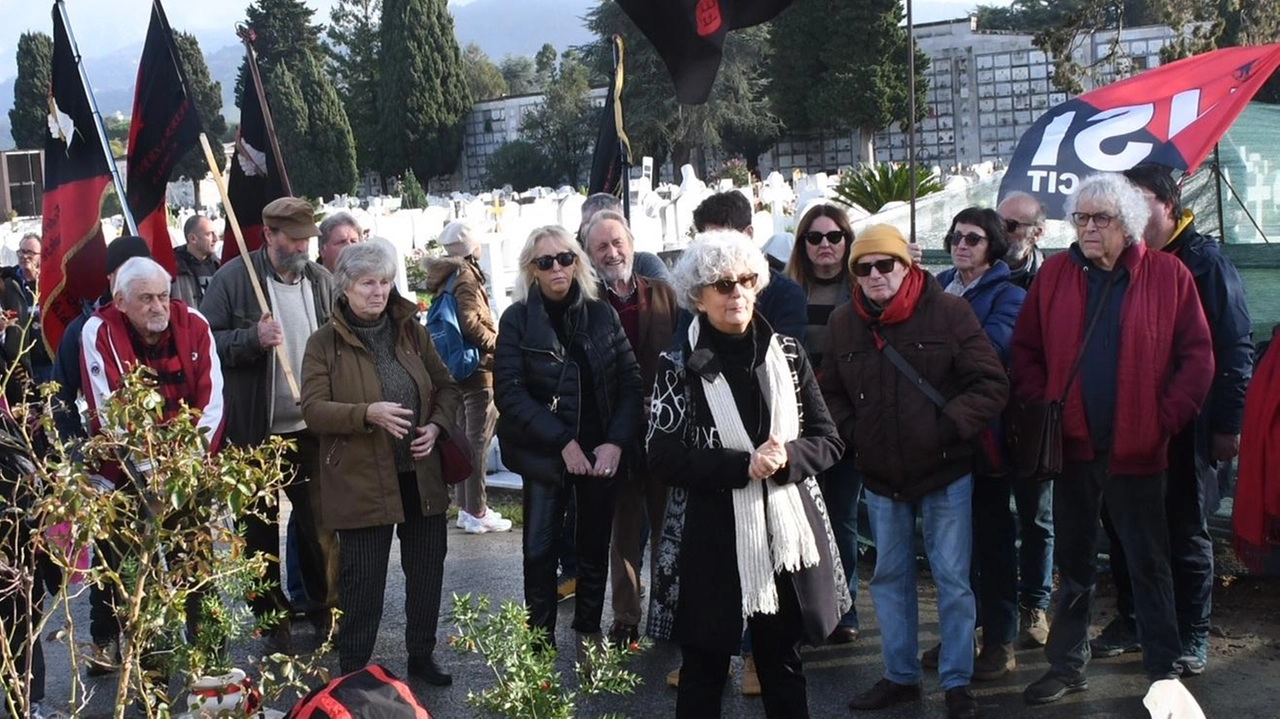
x,y
569,400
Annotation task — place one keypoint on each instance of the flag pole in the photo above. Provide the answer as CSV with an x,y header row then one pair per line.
x,y
97,116
911,117
254,282
247,36
623,157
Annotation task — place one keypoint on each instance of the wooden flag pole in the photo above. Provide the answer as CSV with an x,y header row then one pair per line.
x,y
281,356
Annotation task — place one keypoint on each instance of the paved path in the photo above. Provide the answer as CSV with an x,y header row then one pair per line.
x,y
1245,683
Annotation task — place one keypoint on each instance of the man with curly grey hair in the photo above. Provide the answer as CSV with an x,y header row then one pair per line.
x,y
1114,332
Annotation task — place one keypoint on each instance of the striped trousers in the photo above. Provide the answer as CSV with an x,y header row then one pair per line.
x,y
364,556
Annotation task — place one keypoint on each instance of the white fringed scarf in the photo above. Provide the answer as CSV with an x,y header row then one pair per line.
x,y
782,516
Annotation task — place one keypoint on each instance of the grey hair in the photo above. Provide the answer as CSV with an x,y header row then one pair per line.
x,y
30,236
583,272
1114,189
1039,217
364,259
336,220
599,202
602,217
134,269
714,256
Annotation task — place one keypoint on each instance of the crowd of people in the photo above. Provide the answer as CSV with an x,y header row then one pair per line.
x,y
723,419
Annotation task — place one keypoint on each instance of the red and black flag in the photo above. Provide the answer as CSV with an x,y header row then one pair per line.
x,y
689,35
612,155
254,180
1171,115
76,175
164,129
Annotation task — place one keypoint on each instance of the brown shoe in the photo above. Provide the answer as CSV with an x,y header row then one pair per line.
x,y
673,678
1033,631
885,694
750,680
993,662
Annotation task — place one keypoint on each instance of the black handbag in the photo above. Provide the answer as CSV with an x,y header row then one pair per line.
x,y
1033,430
986,456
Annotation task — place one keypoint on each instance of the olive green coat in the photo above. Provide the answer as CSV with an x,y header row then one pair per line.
x,y
358,479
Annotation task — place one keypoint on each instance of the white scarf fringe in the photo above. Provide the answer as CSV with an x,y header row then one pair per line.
x,y
793,546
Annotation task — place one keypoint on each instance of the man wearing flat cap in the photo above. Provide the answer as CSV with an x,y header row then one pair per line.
x,y
260,401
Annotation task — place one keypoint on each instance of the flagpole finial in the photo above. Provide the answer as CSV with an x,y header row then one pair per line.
x,y
243,31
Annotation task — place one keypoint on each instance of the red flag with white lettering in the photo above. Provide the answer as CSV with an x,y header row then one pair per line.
x,y
1171,115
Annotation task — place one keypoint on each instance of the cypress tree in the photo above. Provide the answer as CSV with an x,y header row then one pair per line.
x,y
28,117
283,34
353,46
314,135
207,96
423,99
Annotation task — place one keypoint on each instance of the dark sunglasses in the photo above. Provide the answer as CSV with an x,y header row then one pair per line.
x,y
725,286
971,239
884,267
815,238
1101,220
1011,225
566,259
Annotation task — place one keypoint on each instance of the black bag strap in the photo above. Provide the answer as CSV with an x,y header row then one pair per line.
x,y
1093,324
910,373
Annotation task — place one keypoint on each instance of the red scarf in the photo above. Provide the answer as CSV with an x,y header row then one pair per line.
x,y
900,308
1256,514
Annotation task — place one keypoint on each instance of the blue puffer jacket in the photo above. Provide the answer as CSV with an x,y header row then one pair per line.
x,y
996,301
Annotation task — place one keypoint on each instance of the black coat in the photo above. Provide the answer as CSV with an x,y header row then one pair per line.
x,y
537,384
697,596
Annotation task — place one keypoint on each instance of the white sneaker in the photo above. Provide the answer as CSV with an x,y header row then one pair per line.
x,y
462,518
37,711
487,523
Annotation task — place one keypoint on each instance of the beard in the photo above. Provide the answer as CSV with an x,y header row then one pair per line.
x,y
617,273
157,324
291,262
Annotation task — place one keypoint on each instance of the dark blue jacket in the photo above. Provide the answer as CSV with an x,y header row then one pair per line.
x,y
996,302
1222,297
66,372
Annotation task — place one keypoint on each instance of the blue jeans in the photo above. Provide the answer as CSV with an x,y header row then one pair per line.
x,y
948,540
1035,554
841,486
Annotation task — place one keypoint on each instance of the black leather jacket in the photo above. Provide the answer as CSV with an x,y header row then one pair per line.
x,y
537,384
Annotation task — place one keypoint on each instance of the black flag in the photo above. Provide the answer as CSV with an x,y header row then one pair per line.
x,y
612,155
254,180
689,35
164,128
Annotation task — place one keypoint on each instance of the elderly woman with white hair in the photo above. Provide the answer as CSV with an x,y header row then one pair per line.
x,y
569,397
1115,333
379,398
738,429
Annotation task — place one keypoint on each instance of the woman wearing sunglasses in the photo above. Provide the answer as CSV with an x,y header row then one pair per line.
x,y
739,430
914,457
819,263
567,388
978,244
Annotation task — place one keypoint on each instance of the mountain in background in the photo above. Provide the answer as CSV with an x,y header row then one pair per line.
x,y
499,27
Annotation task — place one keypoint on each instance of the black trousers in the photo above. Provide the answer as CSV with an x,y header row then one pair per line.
x,y
544,510
1135,506
776,644
364,556
315,546
1190,546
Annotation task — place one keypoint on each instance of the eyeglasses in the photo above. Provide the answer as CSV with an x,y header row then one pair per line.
x,y
27,253
725,286
971,239
1011,225
566,259
815,238
1100,219
884,267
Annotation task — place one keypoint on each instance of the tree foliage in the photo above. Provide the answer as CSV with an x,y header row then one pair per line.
x,y
423,97
28,116
874,185
484,79
207,96
521,165
544,65
520,75
352,46
564,126
412,196
315,137
283,34
737,116
822,81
